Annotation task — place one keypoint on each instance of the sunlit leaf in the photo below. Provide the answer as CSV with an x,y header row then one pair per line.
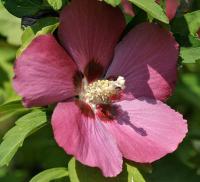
x,y
10,27
7,55
134,174
152,8
194,40
56,4
82,173
15,137
112,2
190,54
12,109
193,21
50,174
43,26
7,52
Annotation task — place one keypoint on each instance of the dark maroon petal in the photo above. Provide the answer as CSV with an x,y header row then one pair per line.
x,y
147,58
89,30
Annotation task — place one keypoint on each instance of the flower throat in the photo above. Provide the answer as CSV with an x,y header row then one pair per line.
x,y
102,91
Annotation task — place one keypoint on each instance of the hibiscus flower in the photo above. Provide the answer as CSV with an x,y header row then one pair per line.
x,y
109,93
127,7
171,7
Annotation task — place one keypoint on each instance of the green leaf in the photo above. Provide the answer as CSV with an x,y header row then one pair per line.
x,y
81,173
42,27
7,52
194,40
10,27
12,109
190,55
196,144
50,174
170,169
193,21
7,55
21,8
56,4
134,174
193,84
152,8
112,2
15,137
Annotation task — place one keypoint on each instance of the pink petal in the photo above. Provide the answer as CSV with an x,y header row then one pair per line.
x,y
127,6
89,30
147,58
44,73
171,8
87,139
147,130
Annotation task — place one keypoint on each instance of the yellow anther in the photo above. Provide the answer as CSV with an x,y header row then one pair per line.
x,y
100,91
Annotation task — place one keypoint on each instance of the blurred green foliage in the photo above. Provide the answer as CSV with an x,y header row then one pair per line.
x,y
40,154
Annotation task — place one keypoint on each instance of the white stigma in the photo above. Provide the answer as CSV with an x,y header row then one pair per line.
x,y
101,91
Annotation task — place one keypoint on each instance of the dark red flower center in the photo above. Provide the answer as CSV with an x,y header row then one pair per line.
x,y
101,91
98,97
